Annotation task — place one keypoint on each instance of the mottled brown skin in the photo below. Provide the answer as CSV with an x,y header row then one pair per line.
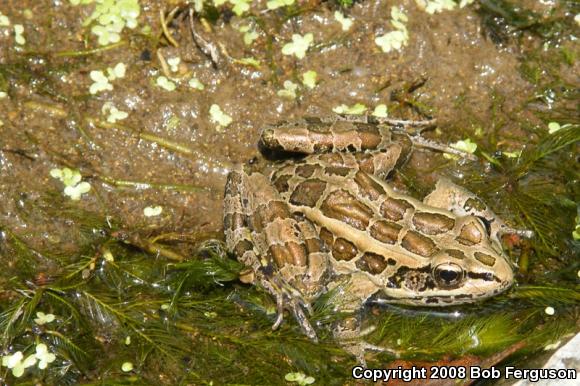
x,y
331,215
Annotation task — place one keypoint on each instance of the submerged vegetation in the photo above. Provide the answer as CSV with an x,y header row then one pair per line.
x,y
88,297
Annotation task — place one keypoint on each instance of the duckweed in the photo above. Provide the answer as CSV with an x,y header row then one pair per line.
x,y
18,34
44,356
42,318
111,17
380,111
553,127
17,363
309,79
249,34
253,62
127,367
300,378
240,6
395,40
113,114
299,45
152,211
116,72
165,83
4,20
74,187
218,116
174,63
465,145
345,22
356,109
435,6
289,90
275,4
100,82
196,84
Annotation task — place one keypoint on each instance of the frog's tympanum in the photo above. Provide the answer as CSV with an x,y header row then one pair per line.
x,y
331,217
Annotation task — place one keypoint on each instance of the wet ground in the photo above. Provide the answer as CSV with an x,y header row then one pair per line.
x,y
480,80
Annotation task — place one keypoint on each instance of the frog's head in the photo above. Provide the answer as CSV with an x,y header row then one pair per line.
x,y
481,274
465,270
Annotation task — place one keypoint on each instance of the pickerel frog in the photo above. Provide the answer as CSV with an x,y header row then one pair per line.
x,y
331,217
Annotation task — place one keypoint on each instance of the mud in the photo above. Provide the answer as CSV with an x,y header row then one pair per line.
x,y
451,69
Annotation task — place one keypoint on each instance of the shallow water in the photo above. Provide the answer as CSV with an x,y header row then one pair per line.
x,y
497,84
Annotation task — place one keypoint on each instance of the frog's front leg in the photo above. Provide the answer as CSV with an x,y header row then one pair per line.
x,y
277,247
347,332
462,202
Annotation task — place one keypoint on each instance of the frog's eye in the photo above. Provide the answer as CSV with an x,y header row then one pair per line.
x,y
448,274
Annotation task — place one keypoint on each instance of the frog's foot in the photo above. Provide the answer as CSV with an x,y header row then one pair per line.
x,y
290,299
425,143
358,349
387,121
406,123
349,334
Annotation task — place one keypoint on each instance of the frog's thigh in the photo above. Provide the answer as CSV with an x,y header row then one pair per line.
x,y
378,163
274,229
381,163
236,219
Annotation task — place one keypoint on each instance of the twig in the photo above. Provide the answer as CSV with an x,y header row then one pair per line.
x,y
144,135
148,246
163,63
147,185
45,108
164,26
207,48
90,52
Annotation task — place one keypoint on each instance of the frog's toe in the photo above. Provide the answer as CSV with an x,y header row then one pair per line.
x,y
288,300
359,348
348,333
303,321
280,311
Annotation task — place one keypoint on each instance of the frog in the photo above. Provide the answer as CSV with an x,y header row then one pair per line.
x,y
331,219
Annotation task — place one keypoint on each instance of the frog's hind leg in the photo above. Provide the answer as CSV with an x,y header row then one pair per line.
x,y
315,136
292,259
339,165
278,248
244,239
425,143
307,276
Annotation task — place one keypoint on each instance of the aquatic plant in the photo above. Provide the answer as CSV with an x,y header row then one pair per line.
x,y
118,303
